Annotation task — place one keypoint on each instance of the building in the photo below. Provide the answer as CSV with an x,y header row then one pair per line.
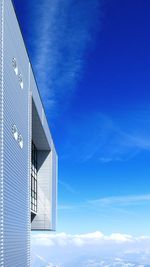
x,y
28,160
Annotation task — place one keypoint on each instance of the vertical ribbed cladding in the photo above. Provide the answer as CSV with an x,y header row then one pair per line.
x,y
29,166
1,129
16,170
54,186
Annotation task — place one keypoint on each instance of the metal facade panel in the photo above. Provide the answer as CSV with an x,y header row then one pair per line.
x,y
39,139
43,218
47,191
16,187
54,171
1,133
47,176
39,107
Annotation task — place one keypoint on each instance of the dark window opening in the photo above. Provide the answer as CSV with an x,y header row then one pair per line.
x,y
34,179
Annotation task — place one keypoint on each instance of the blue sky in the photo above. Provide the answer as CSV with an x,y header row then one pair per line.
x,y
92,63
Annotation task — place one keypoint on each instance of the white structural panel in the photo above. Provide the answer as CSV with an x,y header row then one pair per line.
x,y
22,119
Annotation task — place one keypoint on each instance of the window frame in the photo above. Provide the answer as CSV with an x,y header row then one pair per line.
x,y
34,182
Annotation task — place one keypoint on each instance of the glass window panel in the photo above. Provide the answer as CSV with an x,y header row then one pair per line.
x,y
34,178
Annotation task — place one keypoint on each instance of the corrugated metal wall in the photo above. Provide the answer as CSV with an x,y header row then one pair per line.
x,y
1,133
16,186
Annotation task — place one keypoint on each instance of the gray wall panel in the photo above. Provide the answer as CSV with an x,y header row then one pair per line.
x,y
47,191
40,109
1,133
44,192
54,164
15,173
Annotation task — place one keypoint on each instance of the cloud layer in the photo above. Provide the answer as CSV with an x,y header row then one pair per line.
x,y
92,249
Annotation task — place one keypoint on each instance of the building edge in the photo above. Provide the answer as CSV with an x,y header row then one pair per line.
x,y
1,129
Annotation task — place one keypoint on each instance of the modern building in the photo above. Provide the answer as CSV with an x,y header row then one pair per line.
x,y
28,160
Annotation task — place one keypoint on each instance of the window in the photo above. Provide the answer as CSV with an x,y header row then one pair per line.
x,y
15,132
34,179
15,67
20,80
20,141
14,63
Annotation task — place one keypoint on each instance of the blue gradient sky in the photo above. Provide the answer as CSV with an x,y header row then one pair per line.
x,y
92,63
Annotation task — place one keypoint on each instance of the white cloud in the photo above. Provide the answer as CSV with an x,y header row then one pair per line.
x,y
61,239
120,238
92,249
78,239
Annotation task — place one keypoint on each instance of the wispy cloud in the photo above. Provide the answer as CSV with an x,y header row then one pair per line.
x,y
112,202
66,186
121,200
60,33
97,136
67,207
